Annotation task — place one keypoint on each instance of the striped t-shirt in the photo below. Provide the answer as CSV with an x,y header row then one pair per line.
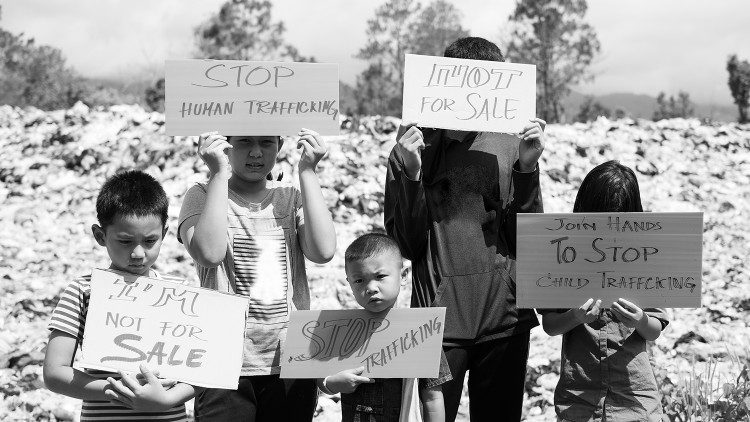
x,y
69,317
264,263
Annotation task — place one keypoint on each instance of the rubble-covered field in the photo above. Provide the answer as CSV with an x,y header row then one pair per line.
x,y
52,164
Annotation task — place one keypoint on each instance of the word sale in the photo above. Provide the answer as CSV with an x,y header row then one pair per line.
x,y
161,352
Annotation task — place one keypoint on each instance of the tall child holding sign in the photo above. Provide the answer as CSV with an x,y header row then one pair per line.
x,y
250,236
132,212
373,268
605,372
450,202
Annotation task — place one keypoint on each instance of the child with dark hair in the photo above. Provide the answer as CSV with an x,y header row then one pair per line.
x,y
605,372
249,235
451,200
132,213
373,269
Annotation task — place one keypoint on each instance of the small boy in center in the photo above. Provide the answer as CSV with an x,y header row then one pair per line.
x,y
373,269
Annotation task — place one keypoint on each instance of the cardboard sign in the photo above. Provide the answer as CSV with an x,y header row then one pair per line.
x,y
472,95
651,259
189,334
399,343
250,98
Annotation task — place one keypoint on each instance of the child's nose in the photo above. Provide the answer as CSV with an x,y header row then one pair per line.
x,y
255,151
138,252
371,288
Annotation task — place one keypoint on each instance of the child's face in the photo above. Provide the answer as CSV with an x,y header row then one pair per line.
x,y
132,242
375,281
253,157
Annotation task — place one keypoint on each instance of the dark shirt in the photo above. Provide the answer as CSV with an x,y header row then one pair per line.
x,y
605,372
457,225
381,401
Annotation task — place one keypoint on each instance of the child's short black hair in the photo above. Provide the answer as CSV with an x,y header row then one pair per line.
x,y
609,187
474,48
131,193
369,245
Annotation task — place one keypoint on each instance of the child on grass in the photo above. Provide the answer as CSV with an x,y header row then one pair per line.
x,y
605,372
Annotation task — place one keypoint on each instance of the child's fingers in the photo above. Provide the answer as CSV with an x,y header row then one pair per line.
x,y
118,387
306,147
628,305
358,371
596,307
217,147
312,141
310,132
118,398
150,377
359,379
129,381
411,132
587,304
621,311
542,123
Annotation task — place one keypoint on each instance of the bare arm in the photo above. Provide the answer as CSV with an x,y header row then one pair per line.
x,y
60,376
317,234
634,317
432,404
205,235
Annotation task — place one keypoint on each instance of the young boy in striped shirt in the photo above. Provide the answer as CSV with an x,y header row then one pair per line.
x,y
132,212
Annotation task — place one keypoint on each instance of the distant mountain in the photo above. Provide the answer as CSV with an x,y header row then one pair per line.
x,y
643,106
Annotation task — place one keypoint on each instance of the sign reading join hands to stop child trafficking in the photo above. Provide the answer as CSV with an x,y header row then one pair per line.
x,y
250,98
650,259
189,334
471,95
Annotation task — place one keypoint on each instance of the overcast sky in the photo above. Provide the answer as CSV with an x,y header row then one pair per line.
x,y
647,46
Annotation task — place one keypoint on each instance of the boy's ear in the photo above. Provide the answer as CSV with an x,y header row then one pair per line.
x,y
99,234
281,142
164,231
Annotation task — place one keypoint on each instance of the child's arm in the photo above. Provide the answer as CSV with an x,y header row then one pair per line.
x,y
432,404
317,234
204,236
555,323
405,207
60,376
634,317
343,382
150,396
527,196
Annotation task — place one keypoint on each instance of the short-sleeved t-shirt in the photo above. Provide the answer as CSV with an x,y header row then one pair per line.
x,y
69,317
606,373
264,262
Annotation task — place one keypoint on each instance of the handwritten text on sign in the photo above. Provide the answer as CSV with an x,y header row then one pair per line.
x,y
167,326
471,95
652,259
250,98
399,343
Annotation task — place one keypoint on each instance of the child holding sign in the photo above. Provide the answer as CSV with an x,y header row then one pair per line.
x,y
373,270
605,372
132,212
451,199
250,236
